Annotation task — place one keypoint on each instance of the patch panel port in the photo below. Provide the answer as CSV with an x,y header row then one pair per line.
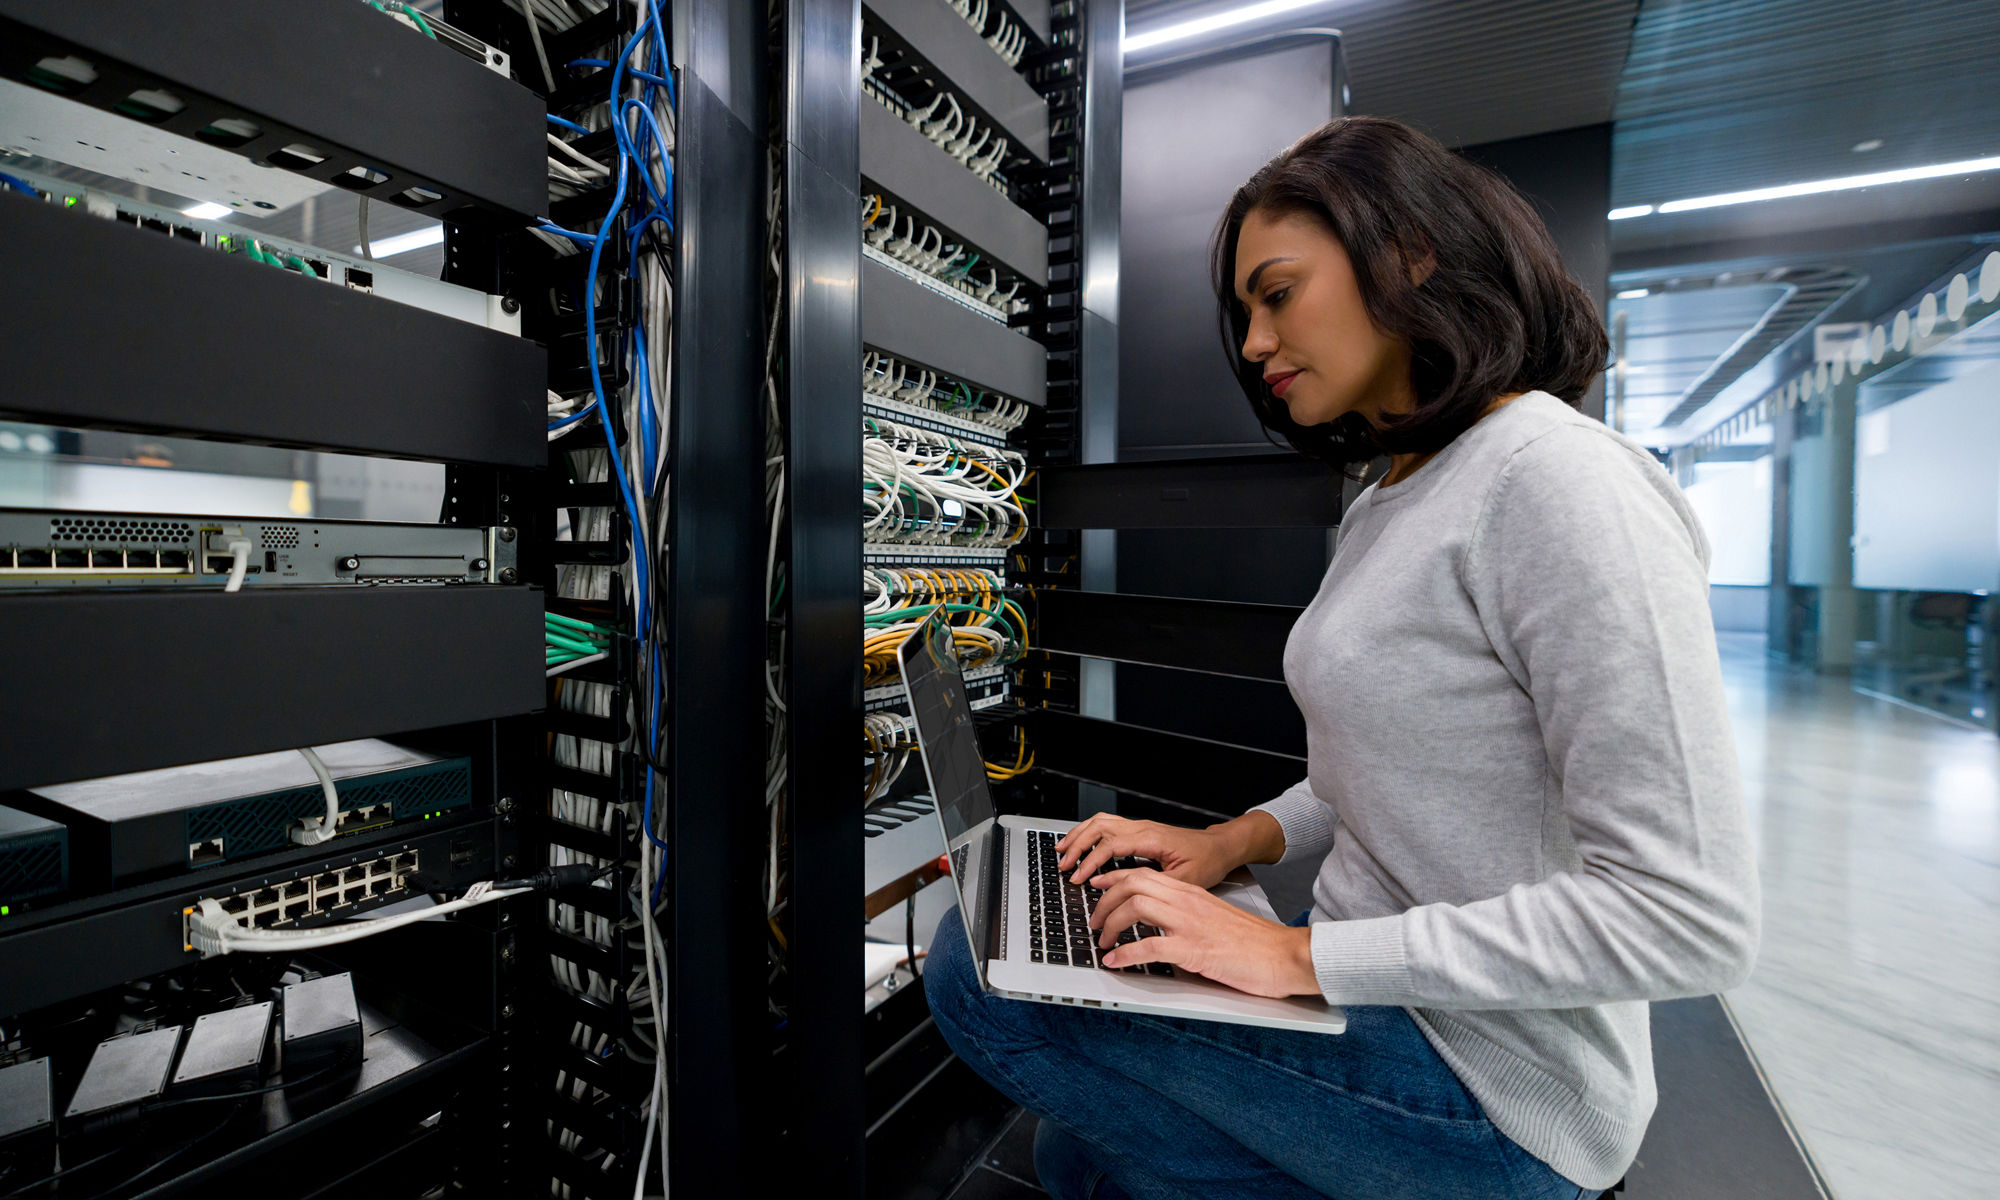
x,y
35,559
295,910
174,559
72,559
107,559
147,559
264,897
236,906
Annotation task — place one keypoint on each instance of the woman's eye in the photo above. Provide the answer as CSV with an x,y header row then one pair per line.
x,y
1276,297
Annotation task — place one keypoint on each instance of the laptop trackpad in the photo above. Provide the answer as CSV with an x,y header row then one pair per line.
x,y
1241,889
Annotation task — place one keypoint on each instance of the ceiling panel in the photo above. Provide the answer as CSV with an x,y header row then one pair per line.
x,y
1727,95
1463,72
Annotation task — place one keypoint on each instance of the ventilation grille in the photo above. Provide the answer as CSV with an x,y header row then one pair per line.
x,y
281,537
257,824
31,868
102,531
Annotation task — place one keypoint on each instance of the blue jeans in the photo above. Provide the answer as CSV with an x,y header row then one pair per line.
x,y
1139,1107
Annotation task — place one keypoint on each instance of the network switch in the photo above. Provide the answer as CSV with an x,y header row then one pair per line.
x,y
124,828
34,859
41,548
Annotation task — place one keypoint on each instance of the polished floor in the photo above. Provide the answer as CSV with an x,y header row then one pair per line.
x,y
1875,1005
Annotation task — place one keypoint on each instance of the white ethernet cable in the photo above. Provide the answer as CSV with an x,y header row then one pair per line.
x,y
239,564
212,931
310,831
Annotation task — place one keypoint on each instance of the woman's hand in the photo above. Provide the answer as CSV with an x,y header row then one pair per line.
x,y
1202,933
1197,856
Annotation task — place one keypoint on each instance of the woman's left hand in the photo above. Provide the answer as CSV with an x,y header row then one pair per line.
x,y
1203,933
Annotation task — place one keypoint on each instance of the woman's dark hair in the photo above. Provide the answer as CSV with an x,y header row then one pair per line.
x,y
1496,314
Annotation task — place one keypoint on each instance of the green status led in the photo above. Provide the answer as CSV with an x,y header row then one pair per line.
x,y
4,910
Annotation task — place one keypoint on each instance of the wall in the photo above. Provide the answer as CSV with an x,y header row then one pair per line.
x,y
1190,140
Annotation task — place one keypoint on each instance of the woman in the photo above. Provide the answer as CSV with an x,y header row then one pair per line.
x,y
1520,772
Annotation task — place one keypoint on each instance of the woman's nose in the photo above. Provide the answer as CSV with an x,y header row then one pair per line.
x,y
1259,343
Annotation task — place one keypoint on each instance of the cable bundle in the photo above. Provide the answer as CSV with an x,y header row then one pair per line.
x,y
886,376
890,737
926,488
638,108
927,251
1008,40
571,643
987,628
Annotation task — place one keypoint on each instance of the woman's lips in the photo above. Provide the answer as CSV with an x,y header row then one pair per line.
x,y
1280,382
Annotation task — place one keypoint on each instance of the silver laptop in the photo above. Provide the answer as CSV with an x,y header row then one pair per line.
x,y
1021,916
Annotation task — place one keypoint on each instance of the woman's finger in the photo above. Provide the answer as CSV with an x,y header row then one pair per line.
x,y
1080,838
1159,948
1149,909
1108,847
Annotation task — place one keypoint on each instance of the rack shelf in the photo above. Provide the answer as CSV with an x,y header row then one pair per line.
x,y
194,341
910,168
129,681
911,321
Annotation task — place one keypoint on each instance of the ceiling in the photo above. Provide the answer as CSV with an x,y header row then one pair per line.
x,y
1463,72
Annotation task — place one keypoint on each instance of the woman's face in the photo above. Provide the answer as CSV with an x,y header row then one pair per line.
x,y
1322,356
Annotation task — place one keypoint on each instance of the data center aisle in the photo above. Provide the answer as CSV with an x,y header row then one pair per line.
x,y
1877,992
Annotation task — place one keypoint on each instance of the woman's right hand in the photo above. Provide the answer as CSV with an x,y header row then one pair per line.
x,y
1201,857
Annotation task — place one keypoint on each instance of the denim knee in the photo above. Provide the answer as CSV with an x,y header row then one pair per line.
x,y
950,981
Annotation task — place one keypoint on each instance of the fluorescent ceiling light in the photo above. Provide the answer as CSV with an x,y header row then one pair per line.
x,y
207,212
403,243
1634,293
1224,20
1630,210
1969,166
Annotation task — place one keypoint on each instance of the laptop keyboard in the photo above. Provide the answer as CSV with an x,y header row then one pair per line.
x,y
1059,911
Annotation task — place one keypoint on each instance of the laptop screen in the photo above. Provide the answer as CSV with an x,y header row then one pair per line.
x,y
957,771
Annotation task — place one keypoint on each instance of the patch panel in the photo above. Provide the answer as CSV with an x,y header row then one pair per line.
x,y
339,891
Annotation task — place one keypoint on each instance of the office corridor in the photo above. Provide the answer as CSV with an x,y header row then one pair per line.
x,y
1876,997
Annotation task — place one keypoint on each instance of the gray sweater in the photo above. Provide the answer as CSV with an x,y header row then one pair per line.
x,y
1521,774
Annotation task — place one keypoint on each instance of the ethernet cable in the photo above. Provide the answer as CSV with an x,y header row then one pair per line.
x,y
213,931
239,564
310,831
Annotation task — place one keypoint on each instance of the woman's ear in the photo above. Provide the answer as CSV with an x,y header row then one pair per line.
x,y
1421,268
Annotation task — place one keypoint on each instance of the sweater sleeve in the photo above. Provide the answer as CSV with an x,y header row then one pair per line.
x,y
1589,573
1306,819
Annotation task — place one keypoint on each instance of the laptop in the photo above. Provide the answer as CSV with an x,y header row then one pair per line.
x,y
1021,915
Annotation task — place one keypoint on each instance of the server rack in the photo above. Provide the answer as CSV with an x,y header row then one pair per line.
x,y
112,326
1056,221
